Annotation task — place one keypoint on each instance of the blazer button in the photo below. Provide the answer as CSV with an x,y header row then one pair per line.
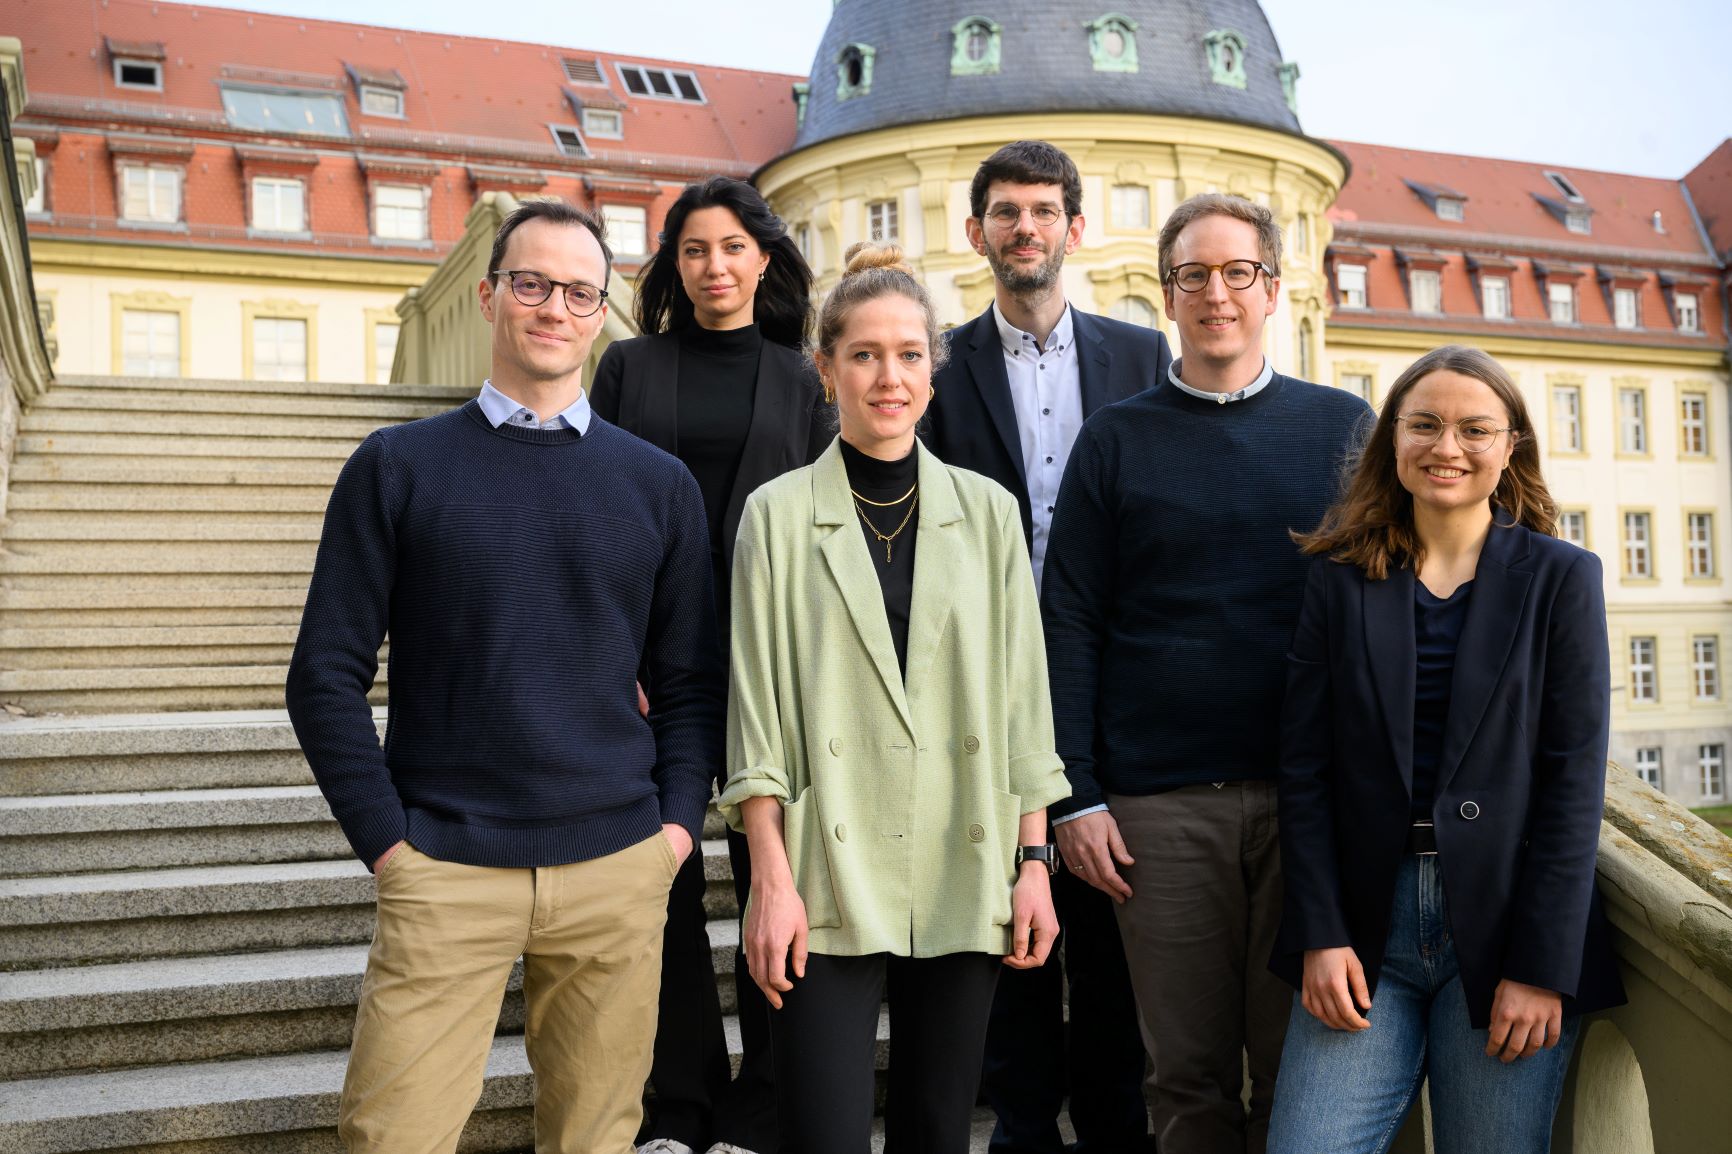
x,y
841,832
836,746
1469,810
971,743
976,832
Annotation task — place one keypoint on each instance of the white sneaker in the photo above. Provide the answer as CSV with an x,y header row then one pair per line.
x,y
664,1146
728,1148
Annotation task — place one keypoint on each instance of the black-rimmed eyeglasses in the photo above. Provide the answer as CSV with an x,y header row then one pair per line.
x,y
1474,434
533,288
1235,274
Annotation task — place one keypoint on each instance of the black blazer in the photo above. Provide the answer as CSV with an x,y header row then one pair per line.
x,y
1520,783
972,422
636,388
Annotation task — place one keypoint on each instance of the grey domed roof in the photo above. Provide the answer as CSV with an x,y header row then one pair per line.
x,y
1045,63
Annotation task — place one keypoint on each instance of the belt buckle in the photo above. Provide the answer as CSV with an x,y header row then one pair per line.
x,y
1431,827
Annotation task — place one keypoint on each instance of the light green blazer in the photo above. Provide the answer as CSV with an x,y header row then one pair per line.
x,y
900,803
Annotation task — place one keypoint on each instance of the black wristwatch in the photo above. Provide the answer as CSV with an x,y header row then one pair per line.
x,y
1047,853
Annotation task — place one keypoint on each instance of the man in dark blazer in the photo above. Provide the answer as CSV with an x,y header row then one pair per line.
x,y
1022,378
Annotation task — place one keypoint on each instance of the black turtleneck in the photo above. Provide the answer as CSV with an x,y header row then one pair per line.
x,y
885,481
718,379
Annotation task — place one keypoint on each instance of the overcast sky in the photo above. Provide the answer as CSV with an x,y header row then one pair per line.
x,y
1630,87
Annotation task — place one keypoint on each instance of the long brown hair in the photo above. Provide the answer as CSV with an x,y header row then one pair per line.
x,y
1372,525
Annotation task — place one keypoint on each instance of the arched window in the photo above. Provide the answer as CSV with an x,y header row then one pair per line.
x,y
1113,43
1226,52
854,71
975,47
1134,310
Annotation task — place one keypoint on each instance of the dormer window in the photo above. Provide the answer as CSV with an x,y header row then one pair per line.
x,y
582,71
1449,208
1288,73
378,90
1113,43
604,122
381,102
854,71
146,74
568,140
802,93
1579,220
1226,52
975,47
1564,187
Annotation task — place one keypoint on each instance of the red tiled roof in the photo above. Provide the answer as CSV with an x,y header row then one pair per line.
x,y
1502,200
1710,185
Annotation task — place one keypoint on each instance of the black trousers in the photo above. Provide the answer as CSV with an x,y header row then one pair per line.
x,y
696,1102
825,1037
1029,1067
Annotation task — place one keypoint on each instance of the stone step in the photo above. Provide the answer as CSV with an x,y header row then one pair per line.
x,y
78,647
166,688
263,474
195,523
449,395
97,586
70,496
175,557
250,428
129,403
79,833
119,446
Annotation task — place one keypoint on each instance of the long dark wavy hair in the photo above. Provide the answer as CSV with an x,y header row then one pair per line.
x,y
782,307
1372,525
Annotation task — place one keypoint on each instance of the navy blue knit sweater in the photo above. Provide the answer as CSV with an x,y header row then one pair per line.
x,y
525,578
1172,587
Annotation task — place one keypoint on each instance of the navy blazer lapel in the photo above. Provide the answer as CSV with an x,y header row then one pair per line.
x,y
1494,614
1094,362
1393,657
986,368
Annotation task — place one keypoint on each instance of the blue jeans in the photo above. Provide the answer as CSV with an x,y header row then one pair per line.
x,y
1343,1093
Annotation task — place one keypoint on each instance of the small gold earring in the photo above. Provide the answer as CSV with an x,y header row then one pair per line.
x,y
829,394
931,391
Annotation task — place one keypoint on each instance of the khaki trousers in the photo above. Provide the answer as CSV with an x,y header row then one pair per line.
x,y
1198,930
590,935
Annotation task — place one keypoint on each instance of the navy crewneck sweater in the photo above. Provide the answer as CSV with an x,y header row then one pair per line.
x,y
1172,586
525,578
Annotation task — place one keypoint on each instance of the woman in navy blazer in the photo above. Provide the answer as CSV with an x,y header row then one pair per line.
x,y
1441,781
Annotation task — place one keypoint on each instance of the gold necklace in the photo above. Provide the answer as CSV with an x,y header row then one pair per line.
x,y
873,529
887,504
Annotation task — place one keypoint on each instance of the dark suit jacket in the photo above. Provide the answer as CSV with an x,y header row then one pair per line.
x,y
972,422
1520,783
636,388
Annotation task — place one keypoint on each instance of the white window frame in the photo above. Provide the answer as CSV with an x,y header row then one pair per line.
x,y
1451,208
1425,290
161,182
1501,311
1638,545
1699,544
1359,384
389,220
1302,234
604,123
1626,308
1711,770
376,91
1135,310
1649,766
1573,526
627,229
1561,302
157,358
121,63
1644,669
671,75
268,345
1350,286
884,221
1633,421
1693,424
1566,418
1131,207
385,352
568,140
276,184
1689,309
1705,666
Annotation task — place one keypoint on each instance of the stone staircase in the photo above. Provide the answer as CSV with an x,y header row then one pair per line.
x,y
161,533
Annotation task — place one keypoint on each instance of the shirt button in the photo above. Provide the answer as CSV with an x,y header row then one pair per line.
x,y
971,743
1049,460
1049,508
976,832
1469,810
836,746
1046,412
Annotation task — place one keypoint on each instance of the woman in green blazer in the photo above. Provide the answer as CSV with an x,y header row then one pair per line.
x,y
890,745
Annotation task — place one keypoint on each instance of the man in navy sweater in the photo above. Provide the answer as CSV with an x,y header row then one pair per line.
x,y
1169,599
529,563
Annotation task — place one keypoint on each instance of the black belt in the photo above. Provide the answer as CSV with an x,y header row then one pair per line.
x,y
1421,838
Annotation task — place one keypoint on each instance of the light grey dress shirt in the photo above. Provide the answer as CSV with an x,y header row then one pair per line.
x,y
1046,391
500,409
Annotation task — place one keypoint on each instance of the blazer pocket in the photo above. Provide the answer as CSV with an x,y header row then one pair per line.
x,y
803,835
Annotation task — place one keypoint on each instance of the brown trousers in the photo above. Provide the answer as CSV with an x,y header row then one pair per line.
x,y
590,935
1198,931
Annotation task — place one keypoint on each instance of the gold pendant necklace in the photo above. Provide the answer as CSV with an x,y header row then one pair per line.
x,y
887,504
906,517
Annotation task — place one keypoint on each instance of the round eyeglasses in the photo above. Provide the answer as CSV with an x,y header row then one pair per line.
x,y
532,288
1010,215
1474,434
1235,274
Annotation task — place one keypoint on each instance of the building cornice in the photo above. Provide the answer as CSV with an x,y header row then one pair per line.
x,y
1390,235
251,265
1344,335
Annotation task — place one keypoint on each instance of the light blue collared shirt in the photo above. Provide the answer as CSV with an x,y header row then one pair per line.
x,y
500,409
1244,394
1046,393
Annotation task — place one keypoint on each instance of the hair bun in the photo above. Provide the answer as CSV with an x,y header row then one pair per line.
x,y
867,255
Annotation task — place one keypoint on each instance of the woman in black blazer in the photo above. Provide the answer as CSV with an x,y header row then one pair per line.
x,y
721,381
1442,775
